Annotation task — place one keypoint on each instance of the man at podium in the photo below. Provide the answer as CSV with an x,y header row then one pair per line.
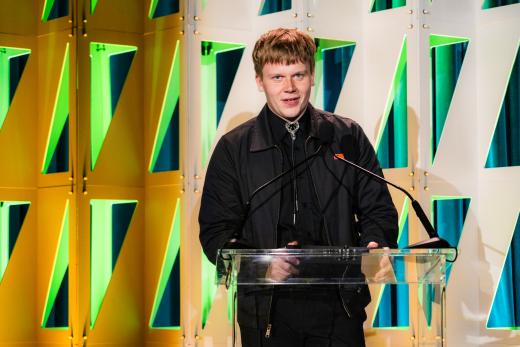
x,y
274,181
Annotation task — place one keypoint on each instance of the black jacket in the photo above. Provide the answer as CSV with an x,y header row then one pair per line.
x,y
357,209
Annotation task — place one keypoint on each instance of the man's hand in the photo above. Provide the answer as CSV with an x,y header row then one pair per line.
x,y
385,265
281,268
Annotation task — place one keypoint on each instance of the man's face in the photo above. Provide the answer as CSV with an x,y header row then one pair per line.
x,y
287,88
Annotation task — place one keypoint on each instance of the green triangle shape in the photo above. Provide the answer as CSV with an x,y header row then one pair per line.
x,y
219,64
447,56
161,8
53,9
12,65
382,5
109,67
332,60
60,114
504,150
110,220
162,316
12,217
59,277
170,104
392,140
93,5
505,309
498,3
273,6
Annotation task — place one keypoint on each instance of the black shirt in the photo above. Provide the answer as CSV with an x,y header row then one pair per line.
x,y
300,218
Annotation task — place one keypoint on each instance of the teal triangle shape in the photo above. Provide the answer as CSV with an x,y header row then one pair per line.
x,y
332,59
168,313
273,6
168,157
505,309
447,55
161,8
12,65
110,220
121,216
382,5
505,146
60,158
59,315
12,217
498,3
393,307
109,68
119,67
449,215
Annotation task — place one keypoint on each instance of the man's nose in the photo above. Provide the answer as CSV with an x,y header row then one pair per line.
x,y
289,85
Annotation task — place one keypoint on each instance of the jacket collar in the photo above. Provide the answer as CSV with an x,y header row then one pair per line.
x,y
262,136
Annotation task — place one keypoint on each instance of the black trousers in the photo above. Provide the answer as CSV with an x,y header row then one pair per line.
x,y
300,321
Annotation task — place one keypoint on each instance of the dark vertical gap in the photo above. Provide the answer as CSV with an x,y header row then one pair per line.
x,y
59,315
60,157
16,68
119,67
17,214
121,217
165,8
168,313
227,66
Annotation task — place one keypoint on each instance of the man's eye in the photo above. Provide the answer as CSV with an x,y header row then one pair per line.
x,y
277,78
299,76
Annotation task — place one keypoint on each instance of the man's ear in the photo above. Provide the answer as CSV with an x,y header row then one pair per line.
x,y
259,83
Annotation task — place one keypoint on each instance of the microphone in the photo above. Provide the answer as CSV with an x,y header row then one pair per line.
x,y
434,241
324,136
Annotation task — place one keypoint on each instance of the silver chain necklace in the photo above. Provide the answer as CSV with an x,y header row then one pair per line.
x,y
292,128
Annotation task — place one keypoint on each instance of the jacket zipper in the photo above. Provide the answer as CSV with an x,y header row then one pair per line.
x,y
270,306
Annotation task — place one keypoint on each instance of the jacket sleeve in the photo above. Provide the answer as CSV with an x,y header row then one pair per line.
x,y
376,212
221,210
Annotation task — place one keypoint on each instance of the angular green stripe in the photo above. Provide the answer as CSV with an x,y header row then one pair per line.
x,y
4,233
441,40
100,93
398,73
47,7
172,249
209,97
100,252
93,4
60,112
153,6
6,54
61,263
170,99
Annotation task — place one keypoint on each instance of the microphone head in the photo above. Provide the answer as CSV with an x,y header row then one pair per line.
x,y
325,132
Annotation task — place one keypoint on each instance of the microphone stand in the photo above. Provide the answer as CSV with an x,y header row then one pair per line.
x,y
434,241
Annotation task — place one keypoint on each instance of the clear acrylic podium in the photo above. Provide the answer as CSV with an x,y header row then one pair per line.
x,y
423,270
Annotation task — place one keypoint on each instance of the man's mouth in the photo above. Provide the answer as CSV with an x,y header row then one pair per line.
x,y
291,101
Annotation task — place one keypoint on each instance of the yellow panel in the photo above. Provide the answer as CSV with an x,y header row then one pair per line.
x,y
121,160
121,319
18,133
159,48
18,286
18,17
51,50
130,18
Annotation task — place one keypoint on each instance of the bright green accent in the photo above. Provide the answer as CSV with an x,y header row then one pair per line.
x,y
487,4
209,95
203,4
6,54
59,268
170,100
324,44
172,249
100,94
47,7
441,40
209,287
101,252
380,5
151,11
60,112
445,93
401,125
93,4
4,233
403,217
